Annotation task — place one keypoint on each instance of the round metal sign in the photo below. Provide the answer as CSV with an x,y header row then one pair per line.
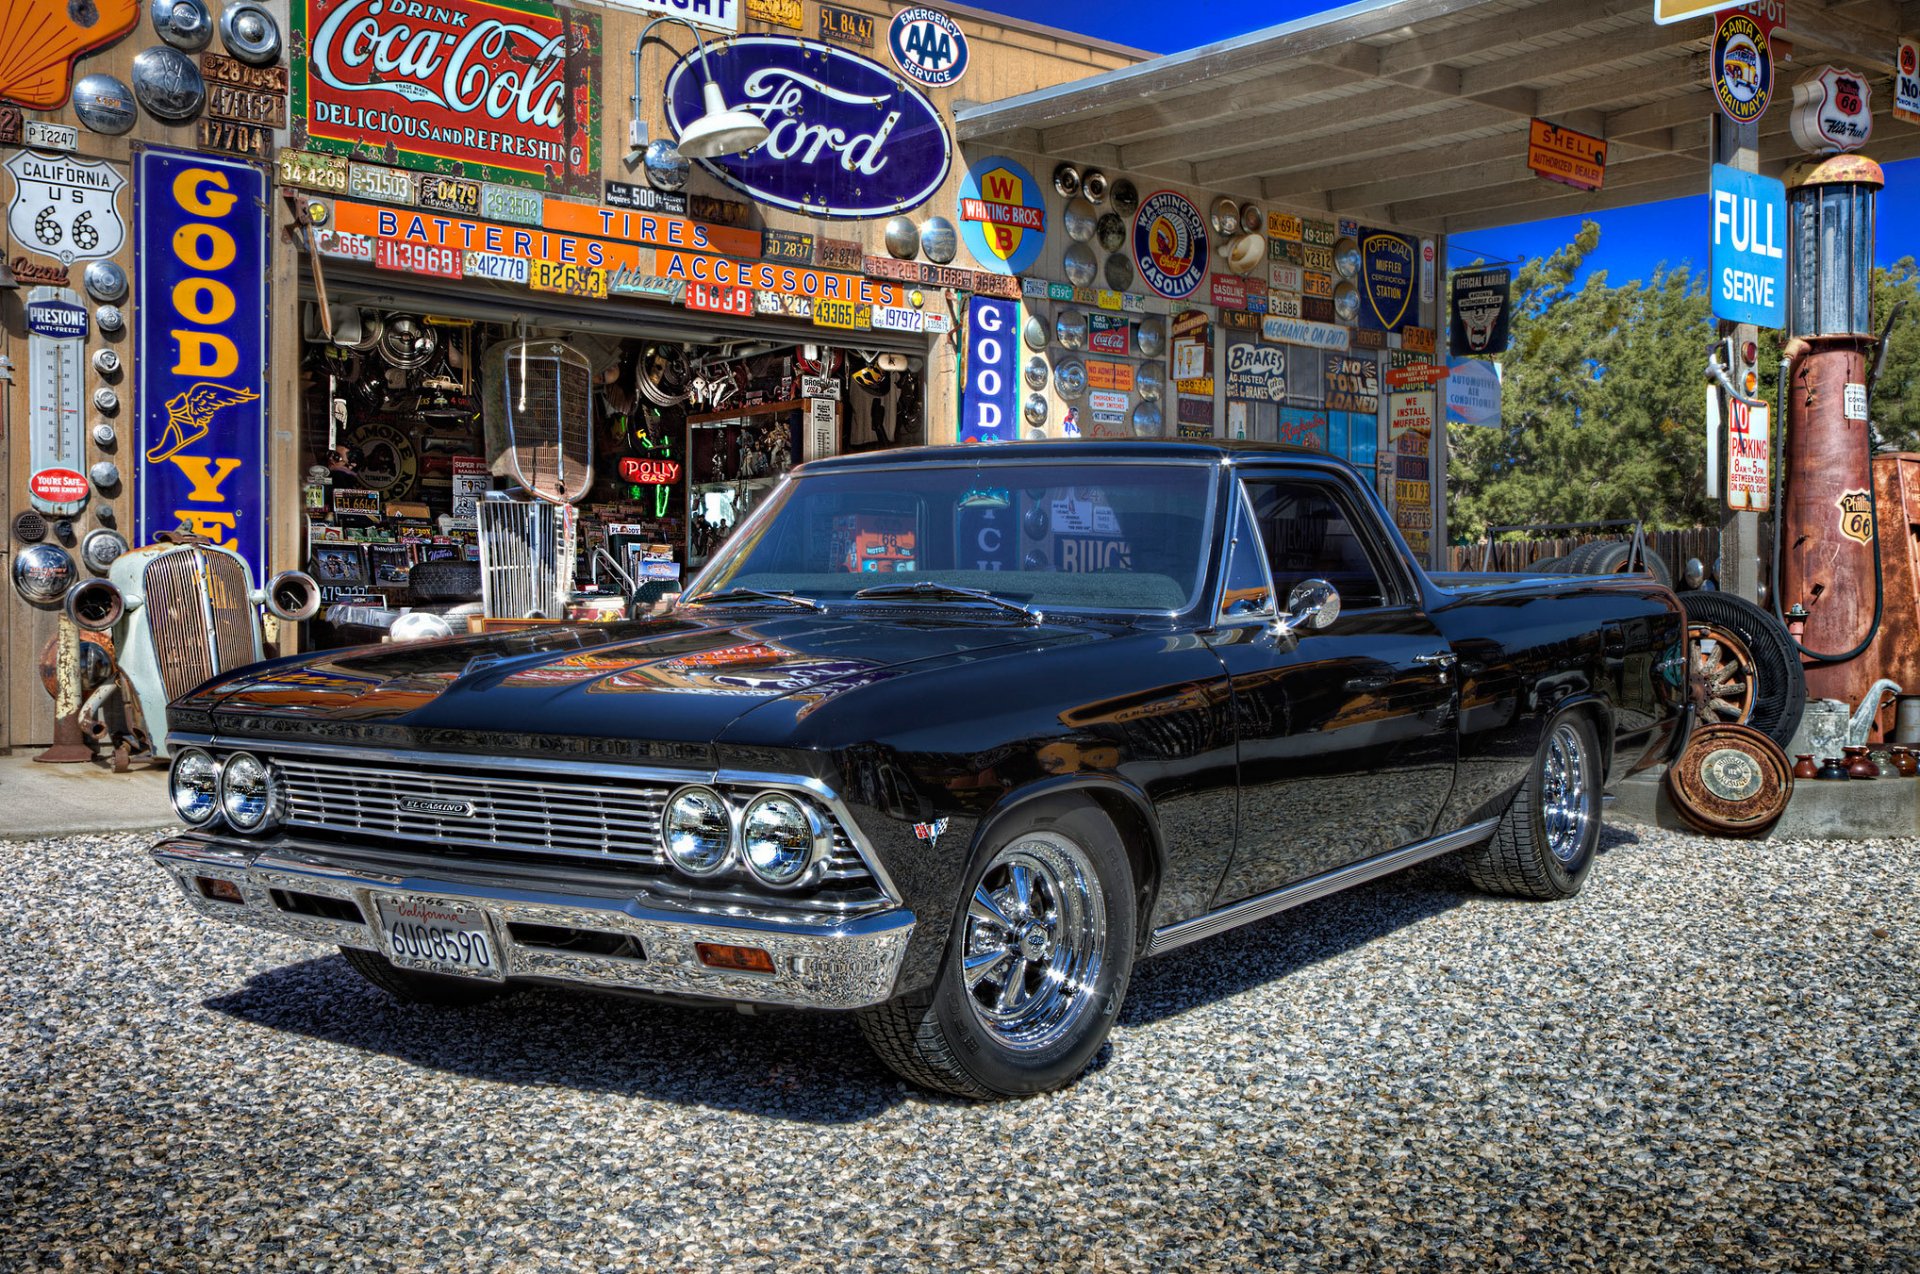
x,y
929,47
1003,216
43,573
250,33
185,24
1170,244
168,84
105,281
103,103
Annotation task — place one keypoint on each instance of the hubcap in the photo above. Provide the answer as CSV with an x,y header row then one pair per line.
x,y
1565,782
1035,942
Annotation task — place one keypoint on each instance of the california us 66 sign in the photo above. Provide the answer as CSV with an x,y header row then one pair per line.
x,y
65,207
929,47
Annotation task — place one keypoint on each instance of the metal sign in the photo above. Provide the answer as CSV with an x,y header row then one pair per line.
x,y
1389,265
849,140
1749,458
846,26
55,445
1669,11
1473,392
60,319
1749,259
1742,66
1256,372
1906,82
1833,111
1562,155
623,194
929,47
986,397
65,207
200,346
1282,330
1481,300
44,136
1003,214
1170,244
506,91
718,15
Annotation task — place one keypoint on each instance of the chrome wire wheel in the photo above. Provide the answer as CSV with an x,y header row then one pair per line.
x,y
1566,781
1036,941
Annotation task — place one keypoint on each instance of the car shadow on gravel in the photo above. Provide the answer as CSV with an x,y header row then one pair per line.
x,y
805,1067
1241,959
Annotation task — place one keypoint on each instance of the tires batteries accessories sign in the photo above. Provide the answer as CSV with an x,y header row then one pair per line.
x,y
507,91
986,398
928,47
848,140
65,207
1906,82
1570,158
1003,215
1833,111
201,345
1749,260
1481,300
1742,66
1170,244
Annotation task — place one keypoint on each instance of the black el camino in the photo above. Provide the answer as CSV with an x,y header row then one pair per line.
x,y
949,738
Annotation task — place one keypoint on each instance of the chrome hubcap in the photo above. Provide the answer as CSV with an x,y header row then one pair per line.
x,y
1563,794
1035,942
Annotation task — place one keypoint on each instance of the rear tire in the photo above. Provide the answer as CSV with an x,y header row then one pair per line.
x,y
1544,845
1036,967
410,986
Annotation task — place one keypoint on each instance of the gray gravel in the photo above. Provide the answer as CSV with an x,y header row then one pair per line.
x,y
1708,1059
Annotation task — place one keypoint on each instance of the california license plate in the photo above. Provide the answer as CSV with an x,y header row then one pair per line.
x,y
438,935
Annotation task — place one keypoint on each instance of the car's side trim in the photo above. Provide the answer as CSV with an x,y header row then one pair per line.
x,y
1263,905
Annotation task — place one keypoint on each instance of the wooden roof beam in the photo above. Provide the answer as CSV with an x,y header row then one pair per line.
x,y
1588,54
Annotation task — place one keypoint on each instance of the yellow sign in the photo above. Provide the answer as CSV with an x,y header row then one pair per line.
x,y
1666,11
841,314
1283,225
782,13
566,278
1570,158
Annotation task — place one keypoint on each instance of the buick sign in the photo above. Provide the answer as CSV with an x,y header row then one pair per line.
x,y
848,139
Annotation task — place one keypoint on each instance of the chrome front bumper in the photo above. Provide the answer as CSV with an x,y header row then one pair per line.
x,y
844,964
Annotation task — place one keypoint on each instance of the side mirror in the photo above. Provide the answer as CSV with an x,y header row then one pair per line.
x,y
1313,603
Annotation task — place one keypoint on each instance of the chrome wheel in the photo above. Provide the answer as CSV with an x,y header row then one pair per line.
x,y
1564,784
1036,940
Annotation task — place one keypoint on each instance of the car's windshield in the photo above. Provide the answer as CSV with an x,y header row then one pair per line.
x,y
1089,536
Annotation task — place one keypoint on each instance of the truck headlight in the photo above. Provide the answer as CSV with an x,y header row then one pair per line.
x,y
781,838
246,792
194,787
696,830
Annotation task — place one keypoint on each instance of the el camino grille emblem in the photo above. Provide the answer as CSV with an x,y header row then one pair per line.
x,y
436,805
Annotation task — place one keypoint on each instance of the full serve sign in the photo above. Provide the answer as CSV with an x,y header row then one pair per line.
x,y
1749,248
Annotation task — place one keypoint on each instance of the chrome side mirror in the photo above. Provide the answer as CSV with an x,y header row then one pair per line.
x,y
1313,603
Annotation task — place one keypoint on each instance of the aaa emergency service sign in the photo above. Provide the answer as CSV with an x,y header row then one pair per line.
x,y
507,91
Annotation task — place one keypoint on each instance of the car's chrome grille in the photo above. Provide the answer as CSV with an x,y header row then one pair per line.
x,y
488,814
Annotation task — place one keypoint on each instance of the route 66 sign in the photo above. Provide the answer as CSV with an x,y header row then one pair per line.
x,y
1832,111
65,207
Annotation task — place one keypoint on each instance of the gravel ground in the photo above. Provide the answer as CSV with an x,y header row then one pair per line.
x,y
1707,1059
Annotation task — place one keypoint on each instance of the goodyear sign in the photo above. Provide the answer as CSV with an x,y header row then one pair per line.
x,y
200,334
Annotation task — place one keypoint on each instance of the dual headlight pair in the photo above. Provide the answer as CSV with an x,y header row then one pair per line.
x,y
240,789
779,838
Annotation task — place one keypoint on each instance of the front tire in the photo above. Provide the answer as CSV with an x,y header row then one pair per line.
x,y
1037,963
410,986
1544,845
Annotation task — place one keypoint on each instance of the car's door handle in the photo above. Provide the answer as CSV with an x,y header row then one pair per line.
x,y
1445,659
1366,685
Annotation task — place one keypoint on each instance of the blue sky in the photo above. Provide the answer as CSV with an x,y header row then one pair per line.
x,y
1633,241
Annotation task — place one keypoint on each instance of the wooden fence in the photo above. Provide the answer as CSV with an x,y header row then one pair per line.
x,y
1674,548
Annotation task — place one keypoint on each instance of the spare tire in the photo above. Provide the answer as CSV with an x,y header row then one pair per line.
x,y
444,581
1547,566
1742,667
1608,557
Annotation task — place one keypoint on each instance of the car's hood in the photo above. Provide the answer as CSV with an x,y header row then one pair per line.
x,y
674,681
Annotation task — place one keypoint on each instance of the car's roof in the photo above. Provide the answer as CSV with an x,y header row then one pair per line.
x,y
1216,451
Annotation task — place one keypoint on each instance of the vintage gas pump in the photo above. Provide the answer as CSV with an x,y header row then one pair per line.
x,y
1828,586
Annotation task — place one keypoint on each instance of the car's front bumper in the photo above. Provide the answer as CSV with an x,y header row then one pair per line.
x,y
826,963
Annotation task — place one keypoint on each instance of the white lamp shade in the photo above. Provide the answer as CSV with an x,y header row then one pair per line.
x,y
721,131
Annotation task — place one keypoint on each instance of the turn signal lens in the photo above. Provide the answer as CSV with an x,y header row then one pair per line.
x,y
781,838
194,786
246,792
744,959
696,830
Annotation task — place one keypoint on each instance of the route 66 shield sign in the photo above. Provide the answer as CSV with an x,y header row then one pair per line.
x,y
65,207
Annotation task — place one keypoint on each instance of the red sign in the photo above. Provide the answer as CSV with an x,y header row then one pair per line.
x,y
1417,376
417,258
717,299
652,472
506,90
1229,291
58,486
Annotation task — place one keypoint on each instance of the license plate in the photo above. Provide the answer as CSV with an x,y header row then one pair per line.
x,y
439,935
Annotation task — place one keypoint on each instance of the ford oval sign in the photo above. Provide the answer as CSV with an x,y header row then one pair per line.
x,y
848,139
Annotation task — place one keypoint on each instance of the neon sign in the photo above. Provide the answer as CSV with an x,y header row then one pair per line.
x,y
649,471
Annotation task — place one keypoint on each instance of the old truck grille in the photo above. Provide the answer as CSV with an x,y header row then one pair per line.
x,y
200,616
491,815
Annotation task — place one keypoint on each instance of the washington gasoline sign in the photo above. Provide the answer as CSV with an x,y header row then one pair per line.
x,y
1749,248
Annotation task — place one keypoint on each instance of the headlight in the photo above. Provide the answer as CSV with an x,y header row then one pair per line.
x,y
246,792
194,786
697,831
781,838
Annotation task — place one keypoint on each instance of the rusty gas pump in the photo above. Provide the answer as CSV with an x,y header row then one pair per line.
x,y
1829,579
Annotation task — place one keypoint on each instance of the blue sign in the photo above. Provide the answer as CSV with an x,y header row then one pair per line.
x,y
200,341
1003,215
62,320
1170,244
848,139
1388,265
986,400
928,47
1749,256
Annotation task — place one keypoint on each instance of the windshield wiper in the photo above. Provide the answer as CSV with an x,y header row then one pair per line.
x,y
932,590
728,596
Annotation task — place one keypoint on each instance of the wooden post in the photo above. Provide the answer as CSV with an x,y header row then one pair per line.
x,y
1738,146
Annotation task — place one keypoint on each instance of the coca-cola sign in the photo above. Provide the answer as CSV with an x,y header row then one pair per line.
x,y
506,91
849,139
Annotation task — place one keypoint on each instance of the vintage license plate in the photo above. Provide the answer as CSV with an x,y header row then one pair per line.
x,y
440,935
